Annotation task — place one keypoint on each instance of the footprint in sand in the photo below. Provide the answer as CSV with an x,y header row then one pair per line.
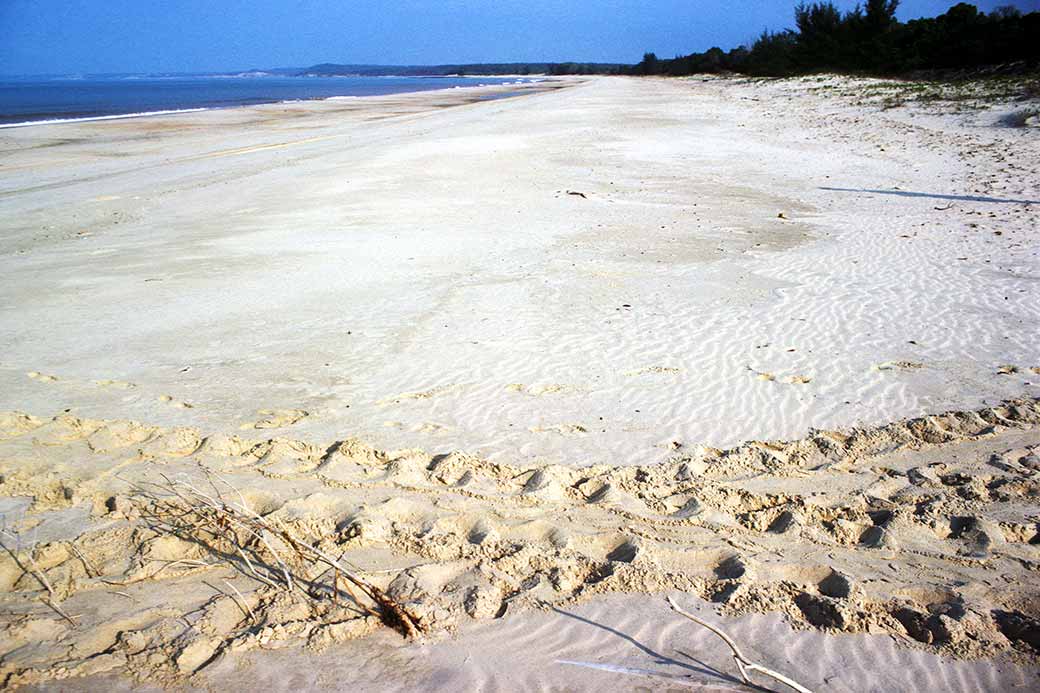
x,y
539,390
276,418
789,379
898,366
565,429
654,369
46,378
115,384
166,399
423,394
427,427
431,428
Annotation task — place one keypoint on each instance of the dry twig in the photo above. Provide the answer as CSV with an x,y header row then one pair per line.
x,y
61,612
168,564
743,663
88,567
245,605
245,530
33,569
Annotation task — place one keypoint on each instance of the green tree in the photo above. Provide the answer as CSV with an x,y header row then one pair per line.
x,y
880,15
650,65
820,27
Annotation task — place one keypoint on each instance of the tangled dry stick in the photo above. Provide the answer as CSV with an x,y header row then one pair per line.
x,y
743,663
245,531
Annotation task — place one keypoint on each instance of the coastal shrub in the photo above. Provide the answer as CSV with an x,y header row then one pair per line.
x,y
871,40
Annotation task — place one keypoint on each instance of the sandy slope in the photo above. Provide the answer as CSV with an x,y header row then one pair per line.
x,y
397,330
618,643
421,278
924,531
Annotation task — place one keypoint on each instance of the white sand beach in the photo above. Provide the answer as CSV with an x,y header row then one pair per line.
x,y
523,356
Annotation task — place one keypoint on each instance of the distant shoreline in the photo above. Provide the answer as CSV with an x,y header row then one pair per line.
x,y
87,119
50,102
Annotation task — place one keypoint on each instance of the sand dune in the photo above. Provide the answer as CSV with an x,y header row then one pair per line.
x,y
528,365
923,530
388,260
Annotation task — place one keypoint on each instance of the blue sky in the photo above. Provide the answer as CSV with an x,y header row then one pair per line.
x,y
90,36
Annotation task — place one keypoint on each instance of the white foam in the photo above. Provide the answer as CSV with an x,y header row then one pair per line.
x,y
120,116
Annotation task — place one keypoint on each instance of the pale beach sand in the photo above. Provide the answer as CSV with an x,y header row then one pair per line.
x,y
423,279
512,358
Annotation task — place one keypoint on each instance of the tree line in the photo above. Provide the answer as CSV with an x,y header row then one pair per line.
x,y
870,40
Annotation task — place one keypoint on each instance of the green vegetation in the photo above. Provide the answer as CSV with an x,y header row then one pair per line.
x,y
870,40
956,95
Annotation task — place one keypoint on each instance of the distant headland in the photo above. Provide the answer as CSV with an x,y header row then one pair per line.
x,y
474,69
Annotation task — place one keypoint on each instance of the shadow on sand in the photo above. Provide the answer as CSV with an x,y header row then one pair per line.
x,y
727,682
934,196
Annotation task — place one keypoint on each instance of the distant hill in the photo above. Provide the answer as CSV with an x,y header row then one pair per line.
x,y
336,70
279,71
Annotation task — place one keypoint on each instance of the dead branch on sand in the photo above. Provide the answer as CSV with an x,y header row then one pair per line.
x,y
242,603
743,663
88,567
33,568
244,531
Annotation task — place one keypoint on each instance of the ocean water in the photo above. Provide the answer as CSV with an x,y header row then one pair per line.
x,y
25,100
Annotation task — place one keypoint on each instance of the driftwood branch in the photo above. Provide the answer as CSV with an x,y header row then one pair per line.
x,y
744,664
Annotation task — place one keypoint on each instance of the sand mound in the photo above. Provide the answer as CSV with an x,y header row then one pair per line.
x,y
923,529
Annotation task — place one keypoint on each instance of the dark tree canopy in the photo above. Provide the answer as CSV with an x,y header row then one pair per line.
x,y
870,40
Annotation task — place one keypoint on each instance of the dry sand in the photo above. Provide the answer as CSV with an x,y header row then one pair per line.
x,y
398,330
